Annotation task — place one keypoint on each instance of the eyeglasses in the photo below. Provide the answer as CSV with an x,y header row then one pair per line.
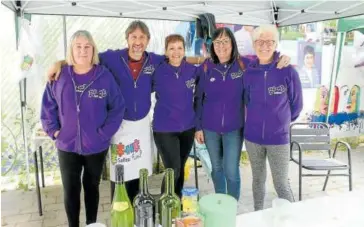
x,y
261,42
223,42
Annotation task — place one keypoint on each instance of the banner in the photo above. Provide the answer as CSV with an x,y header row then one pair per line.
x,y
309,64
132,145
346,113
30,48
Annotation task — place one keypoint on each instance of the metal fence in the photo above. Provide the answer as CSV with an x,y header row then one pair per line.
x,y
109,33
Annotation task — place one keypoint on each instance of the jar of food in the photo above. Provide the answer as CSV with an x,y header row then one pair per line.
x,y
190,200
190,220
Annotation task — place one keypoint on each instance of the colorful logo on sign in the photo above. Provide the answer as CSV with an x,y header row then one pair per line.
x,y
121,153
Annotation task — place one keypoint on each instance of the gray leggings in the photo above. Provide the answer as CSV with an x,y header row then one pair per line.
x,y
278,157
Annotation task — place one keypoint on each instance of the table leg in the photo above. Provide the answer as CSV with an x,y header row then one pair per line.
x,y
37,187
195,164
41,165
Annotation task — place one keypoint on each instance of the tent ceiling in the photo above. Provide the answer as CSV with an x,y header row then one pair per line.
x,y
234,12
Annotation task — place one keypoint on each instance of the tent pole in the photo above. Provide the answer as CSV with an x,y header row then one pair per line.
x,y
65,35
19,16
342,39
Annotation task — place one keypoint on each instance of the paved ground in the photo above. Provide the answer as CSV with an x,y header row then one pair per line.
x,y
19,208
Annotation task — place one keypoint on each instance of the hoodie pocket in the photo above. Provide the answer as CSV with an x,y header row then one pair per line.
x,y
278,126
66,136
91,140
60,134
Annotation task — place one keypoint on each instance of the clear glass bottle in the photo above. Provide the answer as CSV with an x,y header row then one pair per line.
x,y
144,203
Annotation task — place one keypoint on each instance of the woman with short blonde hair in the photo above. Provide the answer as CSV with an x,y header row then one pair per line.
x,y
81,111
273,99
82,33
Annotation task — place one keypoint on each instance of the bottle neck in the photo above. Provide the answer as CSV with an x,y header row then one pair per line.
x,y
169,185
120,190
119,180
143,184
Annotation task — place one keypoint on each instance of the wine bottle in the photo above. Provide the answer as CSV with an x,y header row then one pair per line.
x,y
122,214
169,205
144,203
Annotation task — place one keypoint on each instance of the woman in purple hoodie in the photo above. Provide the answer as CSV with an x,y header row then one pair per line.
x,y
273,99
82,110
132,68
220,110
173,121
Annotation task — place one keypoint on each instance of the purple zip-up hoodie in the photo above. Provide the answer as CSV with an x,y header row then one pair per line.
x,y
273,99
87,123
174,88
137,93
219,97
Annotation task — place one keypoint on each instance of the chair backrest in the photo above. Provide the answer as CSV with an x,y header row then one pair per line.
x,y
310,136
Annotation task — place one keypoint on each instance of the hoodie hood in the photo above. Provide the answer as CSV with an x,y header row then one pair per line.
x,y
254,64
125,54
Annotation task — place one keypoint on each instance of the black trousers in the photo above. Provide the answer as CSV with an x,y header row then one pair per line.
x,y
71,165
174,148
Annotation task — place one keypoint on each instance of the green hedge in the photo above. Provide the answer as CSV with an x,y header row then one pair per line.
x,y
354,142
291,35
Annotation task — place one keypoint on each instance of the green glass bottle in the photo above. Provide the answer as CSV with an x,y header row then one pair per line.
x,y
169,205
122,214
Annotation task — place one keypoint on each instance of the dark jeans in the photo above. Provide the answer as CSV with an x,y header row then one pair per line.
x,y
71,165
174,148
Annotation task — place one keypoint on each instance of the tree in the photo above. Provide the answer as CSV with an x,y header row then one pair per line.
x,y
330,24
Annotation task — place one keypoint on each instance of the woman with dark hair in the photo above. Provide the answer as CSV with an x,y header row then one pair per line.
x,y
220,112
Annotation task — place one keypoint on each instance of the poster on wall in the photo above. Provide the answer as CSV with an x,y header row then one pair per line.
x,y
244,40
242,33
346,113
309,57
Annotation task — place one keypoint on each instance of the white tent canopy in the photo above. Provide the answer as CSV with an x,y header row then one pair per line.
x,y
282,13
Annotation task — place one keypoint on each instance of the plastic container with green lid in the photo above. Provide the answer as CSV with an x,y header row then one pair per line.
x,y
218,210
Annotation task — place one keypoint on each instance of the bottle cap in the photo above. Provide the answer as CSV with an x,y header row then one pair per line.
x,y
189,191
119,173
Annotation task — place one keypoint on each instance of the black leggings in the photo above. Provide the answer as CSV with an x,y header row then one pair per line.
x,y
71,165
174,148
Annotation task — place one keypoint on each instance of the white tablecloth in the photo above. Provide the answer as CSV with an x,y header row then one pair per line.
x,y
340,210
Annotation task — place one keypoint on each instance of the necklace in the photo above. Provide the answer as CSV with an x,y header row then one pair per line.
x,y
223,73
178,71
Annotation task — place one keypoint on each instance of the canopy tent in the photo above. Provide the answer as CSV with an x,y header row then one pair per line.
x,y
344,25
351,24
282,13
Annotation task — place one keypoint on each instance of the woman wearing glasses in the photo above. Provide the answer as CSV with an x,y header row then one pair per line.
x,y
273,99
220,112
